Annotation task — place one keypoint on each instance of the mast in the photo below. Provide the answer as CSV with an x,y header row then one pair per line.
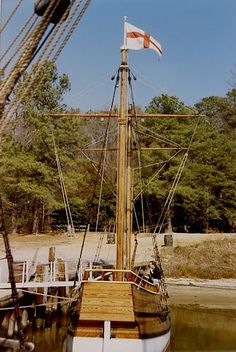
x,y
129,197
122,158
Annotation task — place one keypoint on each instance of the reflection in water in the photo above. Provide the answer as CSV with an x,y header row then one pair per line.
x,y
202,331
191,331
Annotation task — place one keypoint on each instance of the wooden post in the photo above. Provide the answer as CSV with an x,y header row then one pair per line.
x,y
121,194
129,198
40,299
51,254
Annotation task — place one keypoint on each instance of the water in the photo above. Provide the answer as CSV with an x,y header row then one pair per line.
x,y
191,331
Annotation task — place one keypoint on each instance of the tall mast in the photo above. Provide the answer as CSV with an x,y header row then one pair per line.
x,y
122,158
129,196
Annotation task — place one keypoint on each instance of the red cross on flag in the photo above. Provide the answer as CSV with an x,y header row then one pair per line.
x,y
138,39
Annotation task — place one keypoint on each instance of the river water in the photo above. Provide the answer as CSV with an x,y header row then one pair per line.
x,y
191,331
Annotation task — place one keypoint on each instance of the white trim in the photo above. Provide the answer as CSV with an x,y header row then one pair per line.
x,y
90,344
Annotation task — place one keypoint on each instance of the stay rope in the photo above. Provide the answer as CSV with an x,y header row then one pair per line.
x,y
70,224
11,16
94,190
26,87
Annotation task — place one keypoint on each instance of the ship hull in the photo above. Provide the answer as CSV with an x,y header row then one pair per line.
x,y
118,316
96,344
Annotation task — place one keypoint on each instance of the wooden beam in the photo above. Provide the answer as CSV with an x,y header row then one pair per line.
x,y
114,115
143,149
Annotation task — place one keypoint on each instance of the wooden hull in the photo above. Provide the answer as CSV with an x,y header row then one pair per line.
x,y
114,316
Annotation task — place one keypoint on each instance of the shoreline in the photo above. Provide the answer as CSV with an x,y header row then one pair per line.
x,y
211,295
195,293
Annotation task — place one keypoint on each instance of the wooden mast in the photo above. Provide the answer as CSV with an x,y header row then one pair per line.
x,y
129,196
121,182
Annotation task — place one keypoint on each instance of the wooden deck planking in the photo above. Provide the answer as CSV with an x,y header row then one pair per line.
x,y
107,302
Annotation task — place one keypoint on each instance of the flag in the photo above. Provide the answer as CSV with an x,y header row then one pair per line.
x,y
138,39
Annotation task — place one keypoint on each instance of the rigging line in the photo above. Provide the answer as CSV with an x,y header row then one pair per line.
x,y
114,130
170,196
136,218
39,305
17,36
177,178
25,89
97,254
138,143
21,66
11,15
43,42
63,187
95,186
76,22
63,28
157,173
20,45
29,82
162,90
91,87
94,166
158,136
151,165
102,180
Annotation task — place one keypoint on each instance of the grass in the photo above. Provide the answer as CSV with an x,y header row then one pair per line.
x,y
206,260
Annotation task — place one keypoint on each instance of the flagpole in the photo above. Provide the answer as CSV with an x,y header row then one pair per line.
x,y
125,38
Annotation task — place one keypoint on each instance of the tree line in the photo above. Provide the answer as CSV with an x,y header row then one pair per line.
x,y
204,199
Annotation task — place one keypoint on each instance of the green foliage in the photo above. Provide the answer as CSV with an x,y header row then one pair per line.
x,y
204,198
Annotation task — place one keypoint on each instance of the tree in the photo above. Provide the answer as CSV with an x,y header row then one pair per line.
x,y
28,165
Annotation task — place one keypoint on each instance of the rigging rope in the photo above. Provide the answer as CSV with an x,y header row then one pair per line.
x,y
137,142
93,195
21,65
19,33
11,15
70,224
16,101
97,254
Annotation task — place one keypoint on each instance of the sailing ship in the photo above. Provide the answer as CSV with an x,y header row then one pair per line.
x,y
117,309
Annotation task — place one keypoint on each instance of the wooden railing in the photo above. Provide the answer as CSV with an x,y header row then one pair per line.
x,y
91,274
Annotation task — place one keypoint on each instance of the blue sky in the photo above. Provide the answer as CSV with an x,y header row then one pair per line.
x,y
197,38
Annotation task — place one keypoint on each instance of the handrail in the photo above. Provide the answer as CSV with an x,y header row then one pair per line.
x,y
129,275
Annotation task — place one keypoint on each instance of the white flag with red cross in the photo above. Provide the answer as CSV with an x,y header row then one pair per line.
x,y
138,39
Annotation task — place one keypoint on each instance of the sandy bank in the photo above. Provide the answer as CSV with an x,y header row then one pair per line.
x,y
203,294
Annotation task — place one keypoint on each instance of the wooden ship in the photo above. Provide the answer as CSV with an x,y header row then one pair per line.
x,y
116,309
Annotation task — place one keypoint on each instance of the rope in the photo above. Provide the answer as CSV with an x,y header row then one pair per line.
x,y
39,305
20,45
22,64
157,173
29,82
138,150
97,254
161,89
11,15
175,183
95,187
76,22
158,137
70,224
17,37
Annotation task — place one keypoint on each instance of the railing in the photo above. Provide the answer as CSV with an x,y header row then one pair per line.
x,y
28,271
98,274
